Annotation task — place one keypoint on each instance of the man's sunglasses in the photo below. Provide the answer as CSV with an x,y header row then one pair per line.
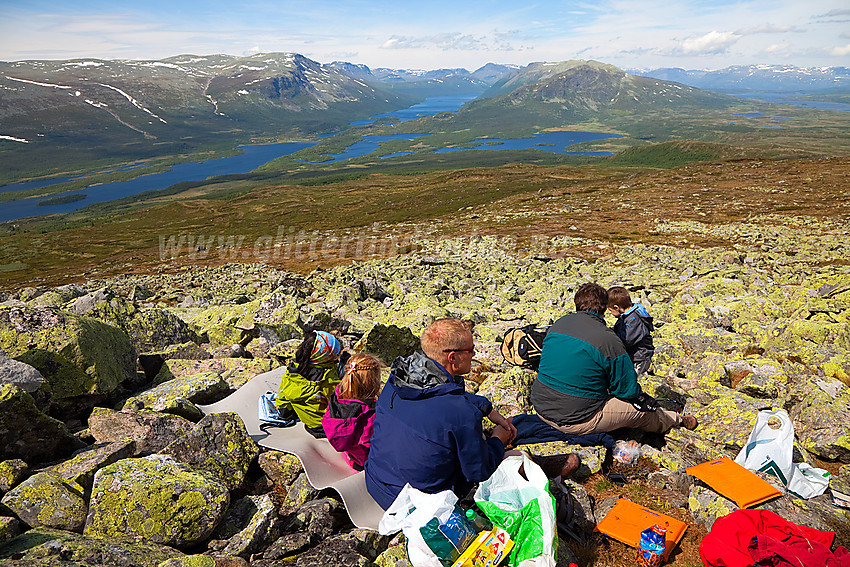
x,y
460,349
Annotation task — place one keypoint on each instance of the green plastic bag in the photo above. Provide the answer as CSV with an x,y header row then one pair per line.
x,y
524,508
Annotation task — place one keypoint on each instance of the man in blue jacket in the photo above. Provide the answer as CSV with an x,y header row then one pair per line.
x,y
427,429
586,382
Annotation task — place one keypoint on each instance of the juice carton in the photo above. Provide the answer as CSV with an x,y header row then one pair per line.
x,y
488,549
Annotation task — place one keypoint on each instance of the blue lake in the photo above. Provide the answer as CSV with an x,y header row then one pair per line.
x,y
256,155
428,107
252,157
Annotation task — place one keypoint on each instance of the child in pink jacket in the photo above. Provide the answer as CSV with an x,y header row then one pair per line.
x,y
351,409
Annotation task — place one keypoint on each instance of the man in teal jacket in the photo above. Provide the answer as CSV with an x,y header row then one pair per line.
x,y
586,382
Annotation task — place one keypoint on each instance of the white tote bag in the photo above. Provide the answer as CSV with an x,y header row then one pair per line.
x,y
770,448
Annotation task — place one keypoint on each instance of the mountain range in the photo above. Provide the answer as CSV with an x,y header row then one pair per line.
x,y
769,78
57,115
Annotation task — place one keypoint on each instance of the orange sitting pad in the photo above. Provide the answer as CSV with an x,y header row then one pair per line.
x,y
627,520
733,481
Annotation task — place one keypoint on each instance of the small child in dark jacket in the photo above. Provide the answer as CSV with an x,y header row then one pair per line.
x,y
351,409
633,326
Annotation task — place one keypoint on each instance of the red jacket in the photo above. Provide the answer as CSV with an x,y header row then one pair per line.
x,y
746,538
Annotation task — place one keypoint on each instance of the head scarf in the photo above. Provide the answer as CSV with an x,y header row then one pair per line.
x,y
326,348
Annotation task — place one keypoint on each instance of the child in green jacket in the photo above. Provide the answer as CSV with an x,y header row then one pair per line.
x,y
309,381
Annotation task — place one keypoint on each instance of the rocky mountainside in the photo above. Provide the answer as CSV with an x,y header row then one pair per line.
x,y
113,369
107,106
552,95
768,78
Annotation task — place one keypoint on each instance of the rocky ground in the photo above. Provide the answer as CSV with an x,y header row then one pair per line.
x,y
106,459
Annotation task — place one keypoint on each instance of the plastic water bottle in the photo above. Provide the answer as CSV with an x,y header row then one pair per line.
x,y
479,523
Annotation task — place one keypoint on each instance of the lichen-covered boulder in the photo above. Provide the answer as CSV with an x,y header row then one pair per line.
x,y
179,395
395,555
298,493
27,433
19,374
707,505
725,416
149,328
198,560
822,420
12,472
80,358
46,499
509,392
157,499
338,550
48,547
234,371
82,466
251,525
151,431
818,513
388,342
281,468
151,362
218,445
319,518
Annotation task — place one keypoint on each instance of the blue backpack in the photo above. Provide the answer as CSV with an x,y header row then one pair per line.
x,y
269,415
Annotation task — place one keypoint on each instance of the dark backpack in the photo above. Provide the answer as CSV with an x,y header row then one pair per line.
x,y
522,346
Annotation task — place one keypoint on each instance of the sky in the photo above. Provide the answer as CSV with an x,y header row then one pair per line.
x,y
433,34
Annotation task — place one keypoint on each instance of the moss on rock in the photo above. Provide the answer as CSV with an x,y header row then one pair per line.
x,y
46,499
158,499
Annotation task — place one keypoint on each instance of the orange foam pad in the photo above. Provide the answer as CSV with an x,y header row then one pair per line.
x,y
627,520
733,481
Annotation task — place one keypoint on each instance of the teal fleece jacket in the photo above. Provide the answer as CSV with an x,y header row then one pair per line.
x,y
584,360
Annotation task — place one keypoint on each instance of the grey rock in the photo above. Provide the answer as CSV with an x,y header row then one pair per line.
x,y
157,499
19,374
46,499
82,466
151,431
219,445
27,433
12,472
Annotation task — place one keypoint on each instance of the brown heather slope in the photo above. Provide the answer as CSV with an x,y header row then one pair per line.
x,y
524,202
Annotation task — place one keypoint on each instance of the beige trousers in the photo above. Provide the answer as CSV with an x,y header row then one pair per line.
x,y
616,414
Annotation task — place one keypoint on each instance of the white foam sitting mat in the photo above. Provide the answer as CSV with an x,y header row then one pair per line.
x,y
323,465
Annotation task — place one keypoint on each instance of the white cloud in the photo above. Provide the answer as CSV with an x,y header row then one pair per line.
x,y
768,28
841,50
712,43
777,48
497,41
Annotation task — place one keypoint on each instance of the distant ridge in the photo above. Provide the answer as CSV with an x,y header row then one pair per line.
x,y
117,110
546,94
770,78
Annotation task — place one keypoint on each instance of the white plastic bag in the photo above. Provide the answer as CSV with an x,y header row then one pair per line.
x,y
524,508
413,509
770,448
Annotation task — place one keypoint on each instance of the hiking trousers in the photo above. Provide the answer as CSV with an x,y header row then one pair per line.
x,y
616,414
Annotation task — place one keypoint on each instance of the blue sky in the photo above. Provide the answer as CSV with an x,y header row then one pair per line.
x,y
694,34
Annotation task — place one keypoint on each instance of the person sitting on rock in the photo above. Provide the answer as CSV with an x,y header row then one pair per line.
x,y
310,380
586,382
633,326
351,409
428,429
